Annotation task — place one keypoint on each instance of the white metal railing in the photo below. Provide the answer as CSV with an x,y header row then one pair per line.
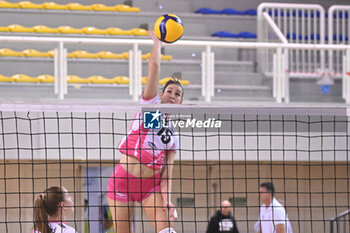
x,y
338,33
60,71
281,83
135,72
298,23
274,28
346,76
208,70
270,32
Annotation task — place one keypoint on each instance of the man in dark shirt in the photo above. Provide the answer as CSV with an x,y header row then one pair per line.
x,y
223,221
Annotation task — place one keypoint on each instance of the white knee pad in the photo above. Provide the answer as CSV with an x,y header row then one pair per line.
x,y
168,230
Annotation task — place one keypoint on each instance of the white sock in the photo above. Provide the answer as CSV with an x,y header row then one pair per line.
x,y
175,216
168,230
175,213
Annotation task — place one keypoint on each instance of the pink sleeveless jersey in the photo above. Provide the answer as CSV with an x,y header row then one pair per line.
x,y
149,146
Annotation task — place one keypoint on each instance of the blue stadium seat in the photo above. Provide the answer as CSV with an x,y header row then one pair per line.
x,y
208,11
318,14
318,37
295,13
226,11
294,36
252,12
231,11
225,34
247,35
276,13
340,37
340,15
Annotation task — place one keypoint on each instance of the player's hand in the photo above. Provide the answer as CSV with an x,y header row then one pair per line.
x,y
172,211
154,37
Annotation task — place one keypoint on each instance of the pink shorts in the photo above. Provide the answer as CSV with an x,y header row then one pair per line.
x,y
125,187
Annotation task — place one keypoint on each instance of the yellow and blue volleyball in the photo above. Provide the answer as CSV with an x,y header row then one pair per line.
x,y
168,28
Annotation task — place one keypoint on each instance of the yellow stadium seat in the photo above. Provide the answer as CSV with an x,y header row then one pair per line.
x,y
163,57
165,80
101,7
109,55
29,5
54,6
45,78
10,53
34,53
69,30
138,32
4,4
19,28
185,82
121,80
44,29
5,79
100,80
51,53
70,6
78,7
126,8
76,79
125,55
83,54
93,30
146,56
117,31
24,78
4,29
167,57
69,55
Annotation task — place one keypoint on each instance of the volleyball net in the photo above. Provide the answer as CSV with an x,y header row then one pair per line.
x,y
225,152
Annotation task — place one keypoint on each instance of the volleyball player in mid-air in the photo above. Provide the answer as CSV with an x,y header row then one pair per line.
x,y
145,169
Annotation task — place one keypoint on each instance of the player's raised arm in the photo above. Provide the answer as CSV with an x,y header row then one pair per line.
x,y
151,88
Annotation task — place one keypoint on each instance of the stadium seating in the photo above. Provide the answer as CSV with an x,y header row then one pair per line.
x,y
10,53
24,78
71,30
300,14
336,37
78,19
44,29
226,11
5,52
52,6
45,78
70,6
74,79
29,5
244,35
